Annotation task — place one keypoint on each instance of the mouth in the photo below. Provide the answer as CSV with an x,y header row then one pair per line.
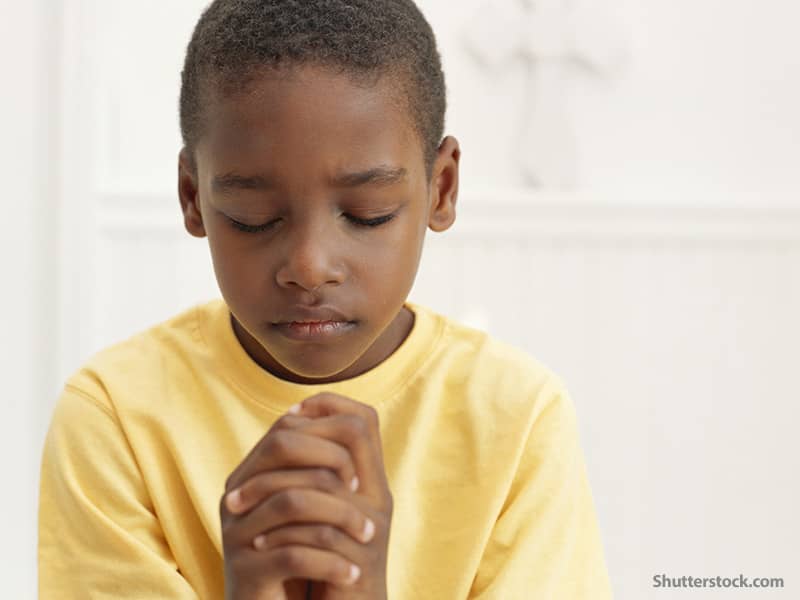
x,y
314,330
320,323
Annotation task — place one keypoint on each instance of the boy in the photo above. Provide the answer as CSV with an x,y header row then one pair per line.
x,y
313,434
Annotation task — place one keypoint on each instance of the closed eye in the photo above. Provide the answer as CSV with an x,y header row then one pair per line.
x,y
370,222
359,222
251,228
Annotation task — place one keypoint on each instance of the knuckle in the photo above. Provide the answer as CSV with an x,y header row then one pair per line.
x,y
290,501
290,558
326,536
278,444
353,427
327,480
312,401
281,423
357,427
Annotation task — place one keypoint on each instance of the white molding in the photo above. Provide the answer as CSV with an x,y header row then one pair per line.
x,y
76,226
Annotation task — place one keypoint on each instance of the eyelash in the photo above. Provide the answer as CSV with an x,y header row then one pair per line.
x,y
376,222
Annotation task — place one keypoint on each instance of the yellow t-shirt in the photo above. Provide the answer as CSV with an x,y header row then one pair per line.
x,y
480,443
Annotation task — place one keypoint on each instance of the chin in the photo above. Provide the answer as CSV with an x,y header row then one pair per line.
x,y
314,367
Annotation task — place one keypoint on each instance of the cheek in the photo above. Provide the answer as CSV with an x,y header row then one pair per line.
x,y
237,266
393,263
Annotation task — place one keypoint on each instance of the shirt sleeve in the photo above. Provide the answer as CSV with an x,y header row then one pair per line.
x,y
546,542
99,537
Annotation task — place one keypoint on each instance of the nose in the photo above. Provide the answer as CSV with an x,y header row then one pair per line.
x,y
310,258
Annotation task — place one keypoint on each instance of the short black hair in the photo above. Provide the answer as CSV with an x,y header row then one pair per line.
x,y
236,39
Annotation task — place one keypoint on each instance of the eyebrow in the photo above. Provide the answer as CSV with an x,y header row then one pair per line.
x,y
381,175
229,181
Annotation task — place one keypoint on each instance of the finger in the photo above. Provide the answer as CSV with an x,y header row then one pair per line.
x,y
313,535
369,465
327,404
351,432
297,561
263,485
290,448
287,421
297,506
346,430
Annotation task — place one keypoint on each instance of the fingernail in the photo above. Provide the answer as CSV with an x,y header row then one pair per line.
x,y
294,408
233,499
260,542
355,573
369,530
354,484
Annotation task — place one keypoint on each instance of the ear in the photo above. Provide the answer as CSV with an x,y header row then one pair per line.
x,y
189,194
444,185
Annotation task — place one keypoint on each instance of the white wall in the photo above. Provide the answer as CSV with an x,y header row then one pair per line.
x,y
28,267
662,285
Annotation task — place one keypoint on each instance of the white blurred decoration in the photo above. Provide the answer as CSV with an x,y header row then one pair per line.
x,y
548,41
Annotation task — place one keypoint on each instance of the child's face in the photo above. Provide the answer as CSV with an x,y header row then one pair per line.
x,y
309,153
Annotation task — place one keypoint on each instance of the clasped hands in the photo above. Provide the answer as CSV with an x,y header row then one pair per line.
x,y
311,501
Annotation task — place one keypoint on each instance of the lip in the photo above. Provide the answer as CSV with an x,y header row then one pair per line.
x,y
320,314
317,324
314,331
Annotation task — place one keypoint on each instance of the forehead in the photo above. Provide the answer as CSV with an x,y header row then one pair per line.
x,y
309,116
